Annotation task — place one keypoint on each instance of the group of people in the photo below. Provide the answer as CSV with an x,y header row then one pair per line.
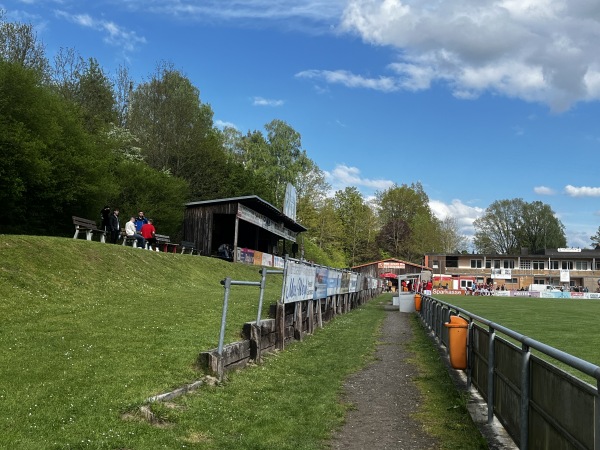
x,y
140,228
480,289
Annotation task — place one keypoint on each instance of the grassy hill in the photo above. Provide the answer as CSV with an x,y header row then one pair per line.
x,y
90,327
88,331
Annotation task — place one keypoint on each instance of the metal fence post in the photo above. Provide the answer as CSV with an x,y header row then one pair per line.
x,y
597,416
227,284
525,391
490,384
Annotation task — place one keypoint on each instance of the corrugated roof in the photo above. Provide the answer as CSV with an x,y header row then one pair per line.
x,y
257,204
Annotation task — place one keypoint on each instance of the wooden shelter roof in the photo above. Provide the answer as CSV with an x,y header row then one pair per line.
x,y
257,204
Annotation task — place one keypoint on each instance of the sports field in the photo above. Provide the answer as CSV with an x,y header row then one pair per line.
x,y
569,325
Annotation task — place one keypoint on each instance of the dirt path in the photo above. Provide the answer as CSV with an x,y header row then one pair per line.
x,y
384,396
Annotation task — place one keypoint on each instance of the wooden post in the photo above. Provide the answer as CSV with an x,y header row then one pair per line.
x,y
235,238
298,321
319,315
311,317
280,325
256,335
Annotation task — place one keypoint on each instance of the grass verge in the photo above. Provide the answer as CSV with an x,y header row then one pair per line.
x,y
443,411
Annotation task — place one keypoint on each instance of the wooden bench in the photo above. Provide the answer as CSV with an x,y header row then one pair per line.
x,y
88,227
188,247
164,242
128,239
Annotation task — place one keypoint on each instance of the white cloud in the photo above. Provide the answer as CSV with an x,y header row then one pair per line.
x,y
464,214
345,78
114,35
536,50
343,176
260,101
582,191
305,14
543,190
222,124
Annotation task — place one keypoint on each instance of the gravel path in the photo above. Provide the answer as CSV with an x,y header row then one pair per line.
x,y
384,396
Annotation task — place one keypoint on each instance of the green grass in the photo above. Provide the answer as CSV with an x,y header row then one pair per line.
x,y
569,325
443,411
88,331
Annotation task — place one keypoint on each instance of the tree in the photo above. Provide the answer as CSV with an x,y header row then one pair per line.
x,y
52,167
451,240
19,45
509,225
408,227
540,228
356,218
176,133
159,194
596,239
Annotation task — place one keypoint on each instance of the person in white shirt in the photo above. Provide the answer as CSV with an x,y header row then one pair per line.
x,y
131,231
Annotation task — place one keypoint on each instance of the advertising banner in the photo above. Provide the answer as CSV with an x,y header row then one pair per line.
x,y
334,281
299,283
278,262
321,282
353,286
345,283
245,255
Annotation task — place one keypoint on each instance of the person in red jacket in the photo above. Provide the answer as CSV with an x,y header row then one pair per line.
x,y
149,233
428,288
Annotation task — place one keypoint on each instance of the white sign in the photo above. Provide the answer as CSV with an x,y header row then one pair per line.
x,y
502,274
299,283
289,202
569,249
391,265
565,276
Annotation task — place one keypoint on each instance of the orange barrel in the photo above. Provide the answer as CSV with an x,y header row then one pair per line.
x,y
458,329
418,301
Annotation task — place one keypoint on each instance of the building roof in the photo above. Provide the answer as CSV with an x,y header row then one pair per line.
x,y
257,204
392,260
549,252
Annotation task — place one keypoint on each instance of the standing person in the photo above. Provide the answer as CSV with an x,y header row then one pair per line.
x,y
131,231
115,228
105,215
140,221
149,233
428,288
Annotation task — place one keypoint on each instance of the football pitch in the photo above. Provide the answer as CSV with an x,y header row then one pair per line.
x,y
569,325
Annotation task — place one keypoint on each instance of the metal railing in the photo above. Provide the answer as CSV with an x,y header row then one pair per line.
x,y
540,405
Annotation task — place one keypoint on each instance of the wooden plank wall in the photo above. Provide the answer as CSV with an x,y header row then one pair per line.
x,y
197,224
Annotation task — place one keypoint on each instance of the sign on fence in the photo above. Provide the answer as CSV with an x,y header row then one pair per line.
x,y
299,283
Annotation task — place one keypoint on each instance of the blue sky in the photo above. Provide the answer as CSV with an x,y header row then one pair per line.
x,y
477,100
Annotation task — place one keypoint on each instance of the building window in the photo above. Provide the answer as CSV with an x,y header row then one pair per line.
x,y
567,265
538,265
525,264
554,265
509,263
597,265
513,281
496,264
581,265
488,263
476,264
